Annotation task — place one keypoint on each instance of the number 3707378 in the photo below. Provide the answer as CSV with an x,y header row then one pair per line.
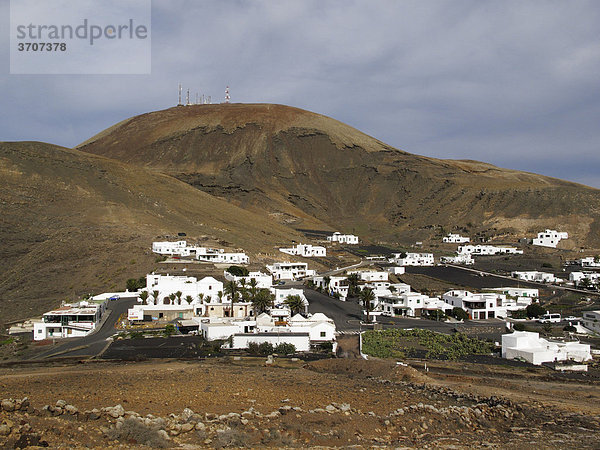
x,y
42,46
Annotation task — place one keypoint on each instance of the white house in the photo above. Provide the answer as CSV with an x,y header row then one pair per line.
x,y
578,277
289,270
535,350
488,250
263,280
455,239
478,306
220,256
549,238
166,285
70,320
412,259
305,250
591,320
538,277
397,270
462,258
205,254
178,248
303,332
590,261
517,291
282,293
371,275
343,238
408,304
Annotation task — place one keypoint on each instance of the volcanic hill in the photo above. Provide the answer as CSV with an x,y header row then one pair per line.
x,y
74,223
309,168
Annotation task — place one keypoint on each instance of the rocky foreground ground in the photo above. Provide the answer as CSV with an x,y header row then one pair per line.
x,y
245,403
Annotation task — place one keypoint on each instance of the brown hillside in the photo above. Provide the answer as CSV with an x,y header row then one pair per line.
x,y
286,160
73,223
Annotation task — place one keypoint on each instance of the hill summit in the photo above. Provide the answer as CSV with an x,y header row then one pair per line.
x,y
313,171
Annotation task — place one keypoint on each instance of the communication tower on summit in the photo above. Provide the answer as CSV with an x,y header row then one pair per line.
x,y
187,98
227,96
179,103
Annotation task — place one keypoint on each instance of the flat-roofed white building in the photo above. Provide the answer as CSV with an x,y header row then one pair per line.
x,y
371,275
549,238
70,320
220,256
305,250
517,292
290,270
178,248
343,238
479,306
579,277
488,250
455,239
413,259
591,320
535,276
535,350
461,259
590,261
263,280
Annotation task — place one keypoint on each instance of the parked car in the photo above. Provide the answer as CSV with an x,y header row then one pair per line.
x,y
570,318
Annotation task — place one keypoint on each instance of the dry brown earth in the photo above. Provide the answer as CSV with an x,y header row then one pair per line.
x,y
331,403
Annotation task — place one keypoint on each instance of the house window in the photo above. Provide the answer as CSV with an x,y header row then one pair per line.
x,y
323,334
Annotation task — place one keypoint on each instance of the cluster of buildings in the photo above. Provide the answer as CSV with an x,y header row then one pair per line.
x,y
204,254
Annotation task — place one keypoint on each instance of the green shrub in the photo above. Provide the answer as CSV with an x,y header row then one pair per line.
x,y
265,348
285,349
519,327
570,328
326,346
238,271
519,314
459,313
170,329
535,310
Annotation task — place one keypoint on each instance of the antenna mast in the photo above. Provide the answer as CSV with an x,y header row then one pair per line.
x,y
187,98
179,104
227,96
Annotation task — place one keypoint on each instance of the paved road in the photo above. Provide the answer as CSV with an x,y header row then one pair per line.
x,y
92,344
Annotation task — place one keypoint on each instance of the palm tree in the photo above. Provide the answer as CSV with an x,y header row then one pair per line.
x,y
392,289
172,297
253,289
352,280
220,295
243,290
295,303
189,299
366,297
144,296
262,301
155,295
201,297
231,289
326,281
178,295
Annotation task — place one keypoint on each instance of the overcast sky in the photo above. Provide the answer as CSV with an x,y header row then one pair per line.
x,y
513,83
